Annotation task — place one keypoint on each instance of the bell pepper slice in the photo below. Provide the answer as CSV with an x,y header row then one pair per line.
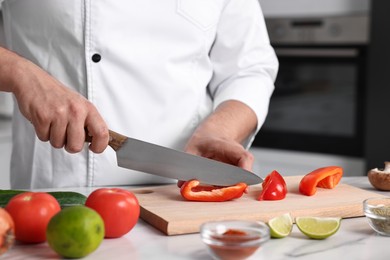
x,y
325,177
193,191
274,187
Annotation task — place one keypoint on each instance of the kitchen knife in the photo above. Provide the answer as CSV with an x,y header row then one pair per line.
x,y
162,161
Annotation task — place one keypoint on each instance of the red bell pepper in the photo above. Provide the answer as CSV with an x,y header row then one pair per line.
x,y
192,190
274,187
325,177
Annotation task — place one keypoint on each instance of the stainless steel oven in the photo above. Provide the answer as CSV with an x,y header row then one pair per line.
x,y
318,103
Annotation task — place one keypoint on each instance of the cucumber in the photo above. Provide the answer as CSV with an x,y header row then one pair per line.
x,y
6,195
69,198
64,198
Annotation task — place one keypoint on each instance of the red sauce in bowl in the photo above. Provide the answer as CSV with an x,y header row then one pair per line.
x,y
232,249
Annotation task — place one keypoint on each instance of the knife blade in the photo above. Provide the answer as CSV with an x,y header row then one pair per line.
x,y
170,163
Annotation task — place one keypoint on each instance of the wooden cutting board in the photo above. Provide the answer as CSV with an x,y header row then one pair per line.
x,y
164,208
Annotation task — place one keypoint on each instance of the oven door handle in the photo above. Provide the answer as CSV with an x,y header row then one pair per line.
x,y
320,52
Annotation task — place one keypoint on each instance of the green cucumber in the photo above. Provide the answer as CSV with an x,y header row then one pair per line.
x,y
6,195
69,198
64,198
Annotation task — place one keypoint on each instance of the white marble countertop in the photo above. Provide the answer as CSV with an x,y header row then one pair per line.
x,y
355,240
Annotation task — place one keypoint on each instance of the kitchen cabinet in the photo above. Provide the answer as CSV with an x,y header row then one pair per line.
x,y
373,102
377,139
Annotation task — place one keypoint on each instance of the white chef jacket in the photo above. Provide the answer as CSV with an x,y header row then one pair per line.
x,y
164,66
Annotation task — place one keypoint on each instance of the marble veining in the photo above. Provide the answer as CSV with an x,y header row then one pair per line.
x,y
318,246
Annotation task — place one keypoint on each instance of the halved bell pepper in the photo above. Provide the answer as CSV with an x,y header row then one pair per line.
x,y
274,187
192,190
325,177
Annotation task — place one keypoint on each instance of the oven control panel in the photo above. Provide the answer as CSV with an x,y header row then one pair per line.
x,y
351,29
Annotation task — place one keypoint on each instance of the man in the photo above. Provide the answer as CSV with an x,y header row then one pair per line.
x,y
193,75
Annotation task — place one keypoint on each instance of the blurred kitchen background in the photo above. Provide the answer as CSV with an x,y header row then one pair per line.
x,y
330,104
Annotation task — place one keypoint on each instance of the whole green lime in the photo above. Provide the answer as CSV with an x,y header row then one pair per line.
x,y
75,231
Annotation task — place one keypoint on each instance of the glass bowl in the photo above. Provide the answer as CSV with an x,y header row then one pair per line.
x,y
234,239
377,211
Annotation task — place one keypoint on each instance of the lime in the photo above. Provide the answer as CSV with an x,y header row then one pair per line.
x,y
75,231
318,227
280,226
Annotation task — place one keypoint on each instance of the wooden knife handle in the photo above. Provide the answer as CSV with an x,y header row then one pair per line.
x,y
116,140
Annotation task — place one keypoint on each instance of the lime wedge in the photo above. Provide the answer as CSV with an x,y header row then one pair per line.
x,y
280,226
318,227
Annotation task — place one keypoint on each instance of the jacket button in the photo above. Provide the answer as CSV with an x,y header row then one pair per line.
x,y
96,57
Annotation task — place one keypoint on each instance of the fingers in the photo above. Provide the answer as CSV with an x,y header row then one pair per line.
x,y
58,114
42,130
228,151
64,127
98,130
246,161
58,134
180,183
100,139
236,154
74,142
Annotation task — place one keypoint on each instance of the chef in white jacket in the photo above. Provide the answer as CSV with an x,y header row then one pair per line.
x,y
193,75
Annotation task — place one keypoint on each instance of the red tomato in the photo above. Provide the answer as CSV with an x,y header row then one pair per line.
x,y
274,187
7,231
118,208
31,212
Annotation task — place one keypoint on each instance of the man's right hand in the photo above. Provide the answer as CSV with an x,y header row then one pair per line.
x,y
58,114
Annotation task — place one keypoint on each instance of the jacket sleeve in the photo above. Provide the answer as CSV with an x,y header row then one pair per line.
x,y
245,65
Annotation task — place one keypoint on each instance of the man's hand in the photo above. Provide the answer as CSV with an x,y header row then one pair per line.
x,y
58,114
227,151
219,137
